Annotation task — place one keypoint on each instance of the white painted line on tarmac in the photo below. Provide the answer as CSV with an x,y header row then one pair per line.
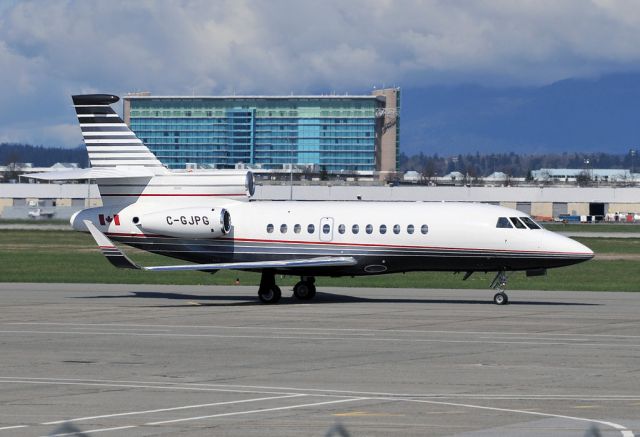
x,y
310,329
501,396
160,410
264,410
13,427
135,385
308,338
260,389
118,428
624,431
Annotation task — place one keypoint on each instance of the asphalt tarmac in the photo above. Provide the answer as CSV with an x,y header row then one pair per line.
x,y
199,361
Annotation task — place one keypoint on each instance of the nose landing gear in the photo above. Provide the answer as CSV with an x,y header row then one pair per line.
x,y
500,283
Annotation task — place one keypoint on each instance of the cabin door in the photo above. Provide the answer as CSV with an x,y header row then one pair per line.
x,y
326,229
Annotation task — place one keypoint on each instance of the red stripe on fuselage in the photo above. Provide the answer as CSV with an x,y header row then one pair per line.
x,y
172,195
331,243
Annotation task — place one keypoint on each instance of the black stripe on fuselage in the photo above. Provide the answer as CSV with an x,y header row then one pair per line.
x,y
105,129
85,110
394,259
145,156
141,164
94,120
109,137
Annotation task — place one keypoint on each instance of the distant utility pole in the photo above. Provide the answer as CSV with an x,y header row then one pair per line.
x,y
291,169
633,153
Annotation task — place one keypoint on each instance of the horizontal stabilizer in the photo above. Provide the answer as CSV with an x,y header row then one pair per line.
x,y
109,250
95,173
119,259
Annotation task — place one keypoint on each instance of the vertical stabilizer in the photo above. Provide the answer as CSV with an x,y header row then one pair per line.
x,y
109,141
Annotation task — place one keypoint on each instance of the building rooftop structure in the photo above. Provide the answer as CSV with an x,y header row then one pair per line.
x,y
571,174
333,132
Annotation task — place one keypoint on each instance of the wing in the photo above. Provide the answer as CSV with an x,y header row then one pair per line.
x,y
119,259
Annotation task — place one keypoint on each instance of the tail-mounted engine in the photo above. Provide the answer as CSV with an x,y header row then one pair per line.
x,y
187,222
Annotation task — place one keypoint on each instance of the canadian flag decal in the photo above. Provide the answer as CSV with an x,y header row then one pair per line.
x,y
104,221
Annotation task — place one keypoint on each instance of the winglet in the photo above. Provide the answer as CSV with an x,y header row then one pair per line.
x,y
109,250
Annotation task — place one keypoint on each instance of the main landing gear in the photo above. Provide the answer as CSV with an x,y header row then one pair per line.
x,y
270,293
305,289
500,283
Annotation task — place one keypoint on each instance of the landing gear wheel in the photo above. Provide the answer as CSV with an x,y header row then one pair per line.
x,y
304,290
270,295
501,298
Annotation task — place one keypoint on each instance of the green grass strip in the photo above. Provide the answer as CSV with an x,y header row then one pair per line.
x,y
59,256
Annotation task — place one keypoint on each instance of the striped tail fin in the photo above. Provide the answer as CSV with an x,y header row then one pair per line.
x,y
109,141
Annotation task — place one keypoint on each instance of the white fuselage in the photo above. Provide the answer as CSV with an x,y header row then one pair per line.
x,y
383,236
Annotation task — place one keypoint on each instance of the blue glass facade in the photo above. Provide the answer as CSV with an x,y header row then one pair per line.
x,y
335,133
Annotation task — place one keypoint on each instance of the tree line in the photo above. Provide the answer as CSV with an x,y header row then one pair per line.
x,y
512,164
474,165
41,156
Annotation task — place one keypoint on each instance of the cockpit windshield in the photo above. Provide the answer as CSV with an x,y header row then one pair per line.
x,y
517,223
530,223
503,222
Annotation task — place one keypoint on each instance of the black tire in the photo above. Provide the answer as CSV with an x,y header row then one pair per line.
x,y
501,298
304,290
270,295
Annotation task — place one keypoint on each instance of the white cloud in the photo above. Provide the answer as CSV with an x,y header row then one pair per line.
x,y
51,49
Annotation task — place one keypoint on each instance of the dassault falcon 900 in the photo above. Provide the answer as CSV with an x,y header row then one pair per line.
x,y
206,218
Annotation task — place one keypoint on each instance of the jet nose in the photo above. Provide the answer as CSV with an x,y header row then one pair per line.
x,y
564,251
580,249
574,252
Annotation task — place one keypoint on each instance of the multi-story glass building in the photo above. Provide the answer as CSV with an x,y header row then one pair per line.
x,y
335,133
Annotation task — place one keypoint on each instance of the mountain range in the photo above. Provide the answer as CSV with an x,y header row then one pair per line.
x,y
573,115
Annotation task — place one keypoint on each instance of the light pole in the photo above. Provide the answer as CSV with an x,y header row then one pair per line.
x,y
291,169
633,153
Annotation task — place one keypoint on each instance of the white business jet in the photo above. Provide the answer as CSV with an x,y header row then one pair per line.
x,y
206,218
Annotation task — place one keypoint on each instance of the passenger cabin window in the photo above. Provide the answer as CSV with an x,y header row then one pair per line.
x,y
297,228
269,228
283,229
383,229
424,229
396,229
530,223
341,229
326,228
503,222
311,229
369,229
355,229
410,229
517,223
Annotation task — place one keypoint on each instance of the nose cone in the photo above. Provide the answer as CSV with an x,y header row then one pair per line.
x,y
570,251
579,250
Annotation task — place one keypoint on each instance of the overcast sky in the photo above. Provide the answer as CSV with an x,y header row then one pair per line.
x,y
52,49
